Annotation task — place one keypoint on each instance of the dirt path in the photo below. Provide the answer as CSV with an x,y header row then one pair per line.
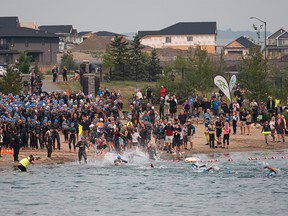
x,y
49,85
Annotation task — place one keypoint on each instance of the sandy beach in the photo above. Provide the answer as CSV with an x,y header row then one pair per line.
x,y
238,143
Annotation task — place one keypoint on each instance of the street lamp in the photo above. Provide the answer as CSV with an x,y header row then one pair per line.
x,y
264,33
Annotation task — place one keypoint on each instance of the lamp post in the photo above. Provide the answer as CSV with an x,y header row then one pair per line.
x,y
264,33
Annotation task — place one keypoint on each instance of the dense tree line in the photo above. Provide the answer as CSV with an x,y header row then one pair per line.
x,y
128,61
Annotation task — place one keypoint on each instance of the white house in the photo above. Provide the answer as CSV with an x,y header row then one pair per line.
x,y
182,36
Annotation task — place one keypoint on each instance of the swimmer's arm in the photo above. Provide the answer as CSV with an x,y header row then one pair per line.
x,y
124,161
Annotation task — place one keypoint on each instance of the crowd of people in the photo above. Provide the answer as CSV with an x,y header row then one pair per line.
x,y
36,121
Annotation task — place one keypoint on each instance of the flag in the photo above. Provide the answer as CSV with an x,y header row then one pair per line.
x,y
79,129
232,82
222,84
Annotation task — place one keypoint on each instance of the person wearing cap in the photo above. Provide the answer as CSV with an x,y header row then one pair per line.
x,y
82,145
119,160
25,162
72,136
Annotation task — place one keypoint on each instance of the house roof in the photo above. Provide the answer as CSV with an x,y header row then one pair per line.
x,y
82,33
283,35
25,32
184,28
243,42
57,29
246,42
9,22
94,43
107,33
276,34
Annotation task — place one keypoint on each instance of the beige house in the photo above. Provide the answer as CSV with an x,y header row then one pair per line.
x,y
240,46
182,36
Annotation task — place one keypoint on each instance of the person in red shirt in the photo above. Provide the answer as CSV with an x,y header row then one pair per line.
x,y
162,91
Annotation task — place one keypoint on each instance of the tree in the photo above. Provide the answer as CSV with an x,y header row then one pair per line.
x,y
253,74
201,73
137,59
11,83
68,61
23,63
154,68
119,50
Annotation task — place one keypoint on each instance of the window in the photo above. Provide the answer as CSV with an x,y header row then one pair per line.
x,y
12,42
190,38
26,43
168,40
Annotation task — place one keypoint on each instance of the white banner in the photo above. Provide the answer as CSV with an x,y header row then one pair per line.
x,y
232,82
222,84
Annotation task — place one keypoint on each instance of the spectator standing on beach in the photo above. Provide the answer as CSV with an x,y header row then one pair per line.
x,y
254,108
266,130
261,111
270,105
64,75
272,127
226,135
248,122
205,105
211,131
218,126
280,127
242,116
215,106
172,106
234,122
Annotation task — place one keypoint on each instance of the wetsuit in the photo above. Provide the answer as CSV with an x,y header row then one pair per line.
x,y
82,150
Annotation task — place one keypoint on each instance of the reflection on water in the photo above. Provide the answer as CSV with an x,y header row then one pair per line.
x,y
239,187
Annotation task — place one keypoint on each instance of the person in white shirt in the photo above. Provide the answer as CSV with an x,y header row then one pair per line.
x,y
139,95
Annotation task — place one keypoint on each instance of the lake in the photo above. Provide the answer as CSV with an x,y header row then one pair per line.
x,y
239,187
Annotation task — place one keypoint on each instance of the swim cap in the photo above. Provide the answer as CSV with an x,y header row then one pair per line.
x,y
82,137
118,157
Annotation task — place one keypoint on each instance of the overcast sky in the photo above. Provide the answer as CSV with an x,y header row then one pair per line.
x,y
123,16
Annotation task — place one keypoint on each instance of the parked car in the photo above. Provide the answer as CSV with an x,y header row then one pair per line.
x,y
3,71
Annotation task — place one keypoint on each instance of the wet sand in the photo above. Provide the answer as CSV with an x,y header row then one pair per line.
x,y
238,143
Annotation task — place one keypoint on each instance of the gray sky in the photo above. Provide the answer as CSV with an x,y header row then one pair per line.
x,y
123,16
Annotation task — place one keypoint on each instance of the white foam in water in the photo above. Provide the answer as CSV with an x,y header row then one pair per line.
x,y
134,157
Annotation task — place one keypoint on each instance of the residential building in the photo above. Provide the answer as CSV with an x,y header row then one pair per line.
x,y
68,36
277,44
42,46
183,35
240,46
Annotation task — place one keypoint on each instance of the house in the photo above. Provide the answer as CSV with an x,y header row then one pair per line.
x,y
240,46
42,46
68,36
183,35
85,35
277,44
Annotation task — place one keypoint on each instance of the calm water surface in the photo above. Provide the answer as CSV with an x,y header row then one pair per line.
x,y
240,187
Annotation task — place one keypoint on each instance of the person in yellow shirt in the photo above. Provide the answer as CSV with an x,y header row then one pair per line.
x,y
25,162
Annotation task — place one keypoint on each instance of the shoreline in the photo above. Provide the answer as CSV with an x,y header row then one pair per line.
x,y
238,143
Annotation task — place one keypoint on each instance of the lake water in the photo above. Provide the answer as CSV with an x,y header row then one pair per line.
x,y
239,187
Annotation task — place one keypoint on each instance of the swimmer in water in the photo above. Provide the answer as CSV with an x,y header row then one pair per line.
x,y
119,160
151,165
203,167
272,171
